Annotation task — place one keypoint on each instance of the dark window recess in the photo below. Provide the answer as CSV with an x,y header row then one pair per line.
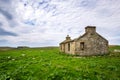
x,y
68,46
61,47
82,45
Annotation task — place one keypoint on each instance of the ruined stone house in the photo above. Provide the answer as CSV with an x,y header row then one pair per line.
x,y
90,43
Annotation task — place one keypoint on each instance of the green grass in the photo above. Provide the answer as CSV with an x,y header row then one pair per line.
x,y
50,64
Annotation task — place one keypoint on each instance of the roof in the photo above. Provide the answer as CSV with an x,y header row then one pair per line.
x,y
101,37
65,41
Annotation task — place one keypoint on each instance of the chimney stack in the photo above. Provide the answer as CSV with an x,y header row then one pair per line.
x,y
68,37
90,29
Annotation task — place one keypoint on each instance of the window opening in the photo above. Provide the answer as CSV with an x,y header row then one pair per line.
x,y
68,46
82,45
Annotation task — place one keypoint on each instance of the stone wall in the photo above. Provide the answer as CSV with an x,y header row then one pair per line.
x,y
64,48
93,45
90,43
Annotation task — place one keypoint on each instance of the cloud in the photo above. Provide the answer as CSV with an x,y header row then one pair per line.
x,y
6,33
5,1
87,4
6,14
1,24
47,22
2,41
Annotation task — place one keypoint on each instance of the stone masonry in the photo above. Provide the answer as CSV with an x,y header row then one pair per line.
x,y
90,43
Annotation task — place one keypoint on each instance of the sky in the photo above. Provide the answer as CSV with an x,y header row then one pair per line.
x,y
38,23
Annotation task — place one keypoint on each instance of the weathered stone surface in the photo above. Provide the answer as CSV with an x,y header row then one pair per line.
x,y
90,43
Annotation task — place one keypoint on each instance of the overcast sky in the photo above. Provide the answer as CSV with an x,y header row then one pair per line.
x,y
47,22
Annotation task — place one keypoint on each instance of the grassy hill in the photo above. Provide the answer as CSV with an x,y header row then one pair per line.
x,y
49,64
5,48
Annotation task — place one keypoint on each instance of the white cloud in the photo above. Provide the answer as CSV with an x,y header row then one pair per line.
x,y
45,22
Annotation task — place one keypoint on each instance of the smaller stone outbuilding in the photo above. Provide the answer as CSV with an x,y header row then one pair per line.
x,y
90,43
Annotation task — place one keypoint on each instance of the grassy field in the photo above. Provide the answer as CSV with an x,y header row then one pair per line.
x,y
49,64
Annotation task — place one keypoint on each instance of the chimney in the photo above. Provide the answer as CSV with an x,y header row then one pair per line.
x,y
90,29
68,37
